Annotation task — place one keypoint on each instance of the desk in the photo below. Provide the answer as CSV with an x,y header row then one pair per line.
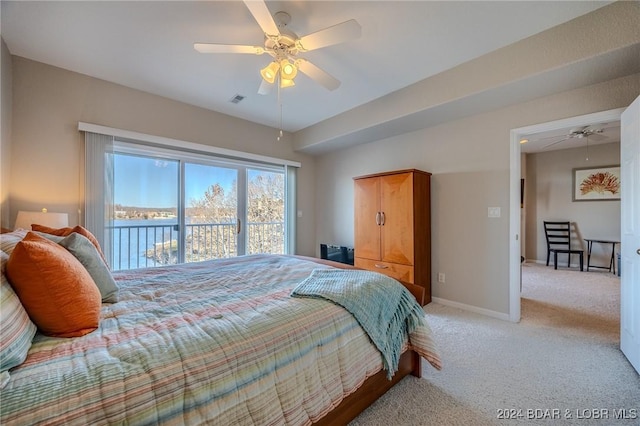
x,y
612,264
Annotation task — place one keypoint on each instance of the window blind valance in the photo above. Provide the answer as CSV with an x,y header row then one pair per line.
x,y
183,145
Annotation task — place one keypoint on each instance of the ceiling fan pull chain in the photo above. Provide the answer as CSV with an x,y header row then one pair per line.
x,y
587,159
280,105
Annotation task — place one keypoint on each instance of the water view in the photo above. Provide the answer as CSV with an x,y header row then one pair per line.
x,y
132,238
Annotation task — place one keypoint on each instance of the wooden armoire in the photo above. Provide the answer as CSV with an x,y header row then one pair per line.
x,y
393,226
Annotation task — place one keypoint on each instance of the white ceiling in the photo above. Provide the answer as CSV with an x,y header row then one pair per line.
x,y
148,45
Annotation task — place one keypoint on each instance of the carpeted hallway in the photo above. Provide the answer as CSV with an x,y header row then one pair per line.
x,y
560,365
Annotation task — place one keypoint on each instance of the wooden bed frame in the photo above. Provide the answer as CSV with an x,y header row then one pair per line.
x,y
375,386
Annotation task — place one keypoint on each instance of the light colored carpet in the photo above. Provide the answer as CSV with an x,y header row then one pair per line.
x,y
563,357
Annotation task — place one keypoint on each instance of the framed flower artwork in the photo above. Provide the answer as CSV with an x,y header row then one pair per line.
x,y
596,183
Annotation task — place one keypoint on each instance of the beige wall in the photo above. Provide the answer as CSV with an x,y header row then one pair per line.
x,y
5,132
549,181
47,154
469,159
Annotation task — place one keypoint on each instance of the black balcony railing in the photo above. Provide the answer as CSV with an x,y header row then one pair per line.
x,y
142,246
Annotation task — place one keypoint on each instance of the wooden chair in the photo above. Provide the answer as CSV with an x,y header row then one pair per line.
x,y
558,236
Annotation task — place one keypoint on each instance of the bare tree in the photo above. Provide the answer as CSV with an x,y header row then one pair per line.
x,y
213,220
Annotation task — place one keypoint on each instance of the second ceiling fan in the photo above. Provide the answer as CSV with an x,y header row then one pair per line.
x,y
284,46
580,133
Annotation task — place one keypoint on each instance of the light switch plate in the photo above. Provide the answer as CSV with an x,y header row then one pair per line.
x,y
494,212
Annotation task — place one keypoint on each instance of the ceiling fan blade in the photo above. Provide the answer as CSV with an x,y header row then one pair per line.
x,y
548,137
317,74
554,143
339,33
262,15
227,48
265,87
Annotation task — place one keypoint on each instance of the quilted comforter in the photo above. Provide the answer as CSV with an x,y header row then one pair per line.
x,y
218,340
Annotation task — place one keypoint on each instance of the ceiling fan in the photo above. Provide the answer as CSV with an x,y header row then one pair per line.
x,y
284,46
584,132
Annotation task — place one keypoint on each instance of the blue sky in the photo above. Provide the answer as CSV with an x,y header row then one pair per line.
x,y
148,182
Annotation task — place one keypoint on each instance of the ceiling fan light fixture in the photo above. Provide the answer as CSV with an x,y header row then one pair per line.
x,y
288,70
286,83
270,72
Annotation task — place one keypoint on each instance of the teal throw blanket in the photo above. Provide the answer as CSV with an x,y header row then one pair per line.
x,y
385,309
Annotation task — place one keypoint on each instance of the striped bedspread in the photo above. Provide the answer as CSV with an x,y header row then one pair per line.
x,y
217,342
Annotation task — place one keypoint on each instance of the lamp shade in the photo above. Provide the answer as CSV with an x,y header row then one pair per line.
x,y
269,72
52,220
286,83
288,70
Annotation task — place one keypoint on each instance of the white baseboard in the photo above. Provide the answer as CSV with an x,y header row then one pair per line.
x,y
471,308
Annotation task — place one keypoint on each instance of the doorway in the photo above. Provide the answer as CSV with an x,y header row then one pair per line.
x,y
515,188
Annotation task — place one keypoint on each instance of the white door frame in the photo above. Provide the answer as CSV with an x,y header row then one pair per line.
x,y
630,234
514,192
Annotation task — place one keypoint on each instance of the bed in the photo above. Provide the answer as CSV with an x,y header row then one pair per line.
x,y
214,342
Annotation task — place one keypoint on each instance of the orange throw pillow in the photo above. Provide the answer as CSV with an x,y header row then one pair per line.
x,y
64,232
55,289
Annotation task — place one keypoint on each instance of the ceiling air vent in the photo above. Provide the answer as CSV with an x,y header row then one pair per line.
x,y
236,99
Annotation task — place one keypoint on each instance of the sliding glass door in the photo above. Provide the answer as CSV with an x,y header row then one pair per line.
x,y
265,212
145,230
211,212
172,208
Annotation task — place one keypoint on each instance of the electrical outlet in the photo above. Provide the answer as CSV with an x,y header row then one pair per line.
x,y
440,277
